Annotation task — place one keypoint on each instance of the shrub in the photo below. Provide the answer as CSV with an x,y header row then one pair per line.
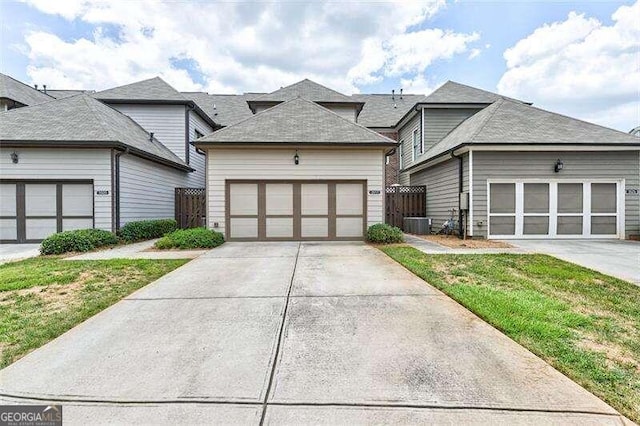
x,y
147,229
78,240
382,233
191,239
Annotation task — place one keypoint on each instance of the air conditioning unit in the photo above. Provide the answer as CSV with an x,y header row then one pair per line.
x,y
417,225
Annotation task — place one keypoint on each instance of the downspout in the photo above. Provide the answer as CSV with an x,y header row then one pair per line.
x,y
116,190
460,187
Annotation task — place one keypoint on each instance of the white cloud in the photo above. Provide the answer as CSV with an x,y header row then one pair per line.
x,y
419,85
580,67
239,46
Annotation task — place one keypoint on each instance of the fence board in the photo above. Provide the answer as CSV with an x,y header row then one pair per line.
x,y
190,207
404,201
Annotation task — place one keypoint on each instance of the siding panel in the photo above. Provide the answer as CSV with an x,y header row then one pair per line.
x,y
439,122
43,163
539,165
257,164
147,189
197,161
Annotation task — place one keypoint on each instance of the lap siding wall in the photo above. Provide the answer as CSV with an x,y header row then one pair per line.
x,y
614,165
277,164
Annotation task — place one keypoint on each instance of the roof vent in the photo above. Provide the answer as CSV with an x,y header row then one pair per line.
x,y
400,93
393,94
36,86
44,86
150,136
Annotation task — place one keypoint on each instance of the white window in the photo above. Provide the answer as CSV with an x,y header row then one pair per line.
x,y
401,154
417,144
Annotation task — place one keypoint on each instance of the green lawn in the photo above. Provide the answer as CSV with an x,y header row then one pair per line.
x,y
41,298
585,324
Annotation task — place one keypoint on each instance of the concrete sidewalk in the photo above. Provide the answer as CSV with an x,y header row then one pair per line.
x,y
13,252
295,333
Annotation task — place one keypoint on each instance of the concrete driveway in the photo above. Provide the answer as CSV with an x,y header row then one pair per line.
x,y
618,258
12,252
289,333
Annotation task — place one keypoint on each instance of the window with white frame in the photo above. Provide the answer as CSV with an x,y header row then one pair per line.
x,y
401,154
417,144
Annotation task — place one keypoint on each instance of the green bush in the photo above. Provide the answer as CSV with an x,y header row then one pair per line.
x,y
78,240
147,229
381,233
191,239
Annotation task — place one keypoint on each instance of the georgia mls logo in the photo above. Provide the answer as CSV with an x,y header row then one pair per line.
x,y
30,415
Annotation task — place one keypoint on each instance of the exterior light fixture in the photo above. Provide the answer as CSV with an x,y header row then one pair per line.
x,y
296,159
14,157
558,166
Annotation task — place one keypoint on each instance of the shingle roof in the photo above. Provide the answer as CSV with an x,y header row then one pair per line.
x,y
456,93
297,121
306,89
383,110
512,123
15,90
153,89
80,120
65,93
223,109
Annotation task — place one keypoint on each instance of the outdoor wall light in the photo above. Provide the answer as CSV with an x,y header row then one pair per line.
x,y
558,166
296,159
14,157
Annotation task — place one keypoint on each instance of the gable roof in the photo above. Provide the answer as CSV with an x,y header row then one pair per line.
x,y
457,93
17,91
81,121
297,121
65,93
306,89
514,123
223,109
385,110
153,89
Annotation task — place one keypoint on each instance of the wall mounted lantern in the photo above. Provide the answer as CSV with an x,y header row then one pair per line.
x,y
14,157
558,166
296,158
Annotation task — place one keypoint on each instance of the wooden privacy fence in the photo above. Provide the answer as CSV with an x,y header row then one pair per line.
x,y
404,201
191,207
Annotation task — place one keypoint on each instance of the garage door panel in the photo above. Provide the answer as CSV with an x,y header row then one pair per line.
x,y
314,198
8,199
77,200
40,199
503,197
279,198
38,229
348,227
502,225
243,198
349,198
603,225
570,197
536,225
570,225
243,227
603,198
536,198
8,229
277,227
314,227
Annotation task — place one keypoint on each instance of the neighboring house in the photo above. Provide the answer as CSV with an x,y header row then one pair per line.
x,y
76,163
526,172
295,171
174,119
635,131
15,94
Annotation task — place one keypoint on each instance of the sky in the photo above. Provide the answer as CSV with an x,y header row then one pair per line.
x,y
577,58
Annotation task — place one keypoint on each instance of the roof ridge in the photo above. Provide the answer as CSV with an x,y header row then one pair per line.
x,y
96,115
498,104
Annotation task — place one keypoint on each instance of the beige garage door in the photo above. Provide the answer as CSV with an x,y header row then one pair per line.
x,y
31,211
296,210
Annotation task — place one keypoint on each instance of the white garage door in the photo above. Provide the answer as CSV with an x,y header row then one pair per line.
x,y
296,210
555,209
31,211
